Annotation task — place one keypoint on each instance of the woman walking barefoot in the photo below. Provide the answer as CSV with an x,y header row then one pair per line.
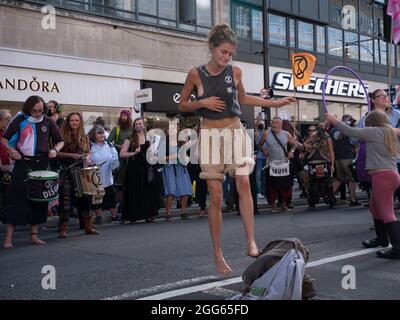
x,y
220,93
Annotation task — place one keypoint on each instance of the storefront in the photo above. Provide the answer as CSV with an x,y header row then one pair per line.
x,y
93,88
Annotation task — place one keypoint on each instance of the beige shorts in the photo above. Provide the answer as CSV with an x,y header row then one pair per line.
x,y
342,170
225,150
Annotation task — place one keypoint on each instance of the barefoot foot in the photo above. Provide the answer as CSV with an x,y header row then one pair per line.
x,y
222,266
36,240
8,245
252,251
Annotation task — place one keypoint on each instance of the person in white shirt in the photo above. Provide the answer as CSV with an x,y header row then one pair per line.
x,y
105,156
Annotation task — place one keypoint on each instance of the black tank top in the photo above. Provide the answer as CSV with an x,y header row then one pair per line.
x,y
223,86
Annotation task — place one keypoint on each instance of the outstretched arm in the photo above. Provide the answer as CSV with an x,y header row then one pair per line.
x,y
256,101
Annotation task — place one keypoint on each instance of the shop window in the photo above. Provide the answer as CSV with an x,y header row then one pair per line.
x,y
305,38
366,24
309,110
204,13
336,12
366,49
378,20
292,33
320,39
242,20
380,52
351,45
354,110
277,30
247,22
335,42
336,108
257,25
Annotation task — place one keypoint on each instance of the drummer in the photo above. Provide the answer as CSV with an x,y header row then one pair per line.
x,y
27,141
319,150
75,153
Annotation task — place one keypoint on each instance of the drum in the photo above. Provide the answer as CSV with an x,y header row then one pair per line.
x,y
279,168
43,186
318,169
87,182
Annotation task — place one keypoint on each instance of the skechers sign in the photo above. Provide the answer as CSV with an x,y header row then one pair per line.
x,y
284,81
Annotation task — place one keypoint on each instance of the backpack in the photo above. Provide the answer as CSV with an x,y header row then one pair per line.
x,y
278,274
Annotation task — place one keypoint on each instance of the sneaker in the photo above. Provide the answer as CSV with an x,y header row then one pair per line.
x,y
354,203
260,196
98,220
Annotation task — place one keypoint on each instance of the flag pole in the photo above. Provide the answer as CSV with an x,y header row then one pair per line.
x,y
390,62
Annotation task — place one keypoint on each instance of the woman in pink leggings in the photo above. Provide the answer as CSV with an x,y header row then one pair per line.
x,y
382,149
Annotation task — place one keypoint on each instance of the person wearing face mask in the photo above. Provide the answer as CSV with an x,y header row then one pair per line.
x,y
74,154
27,141
141,199
53,112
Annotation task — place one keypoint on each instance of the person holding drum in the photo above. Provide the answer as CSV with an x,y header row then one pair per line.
x,y
104,155
320,159
220,94
27,141
5,164
73,156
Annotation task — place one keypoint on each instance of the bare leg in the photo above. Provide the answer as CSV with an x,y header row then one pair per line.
x,y
168,205
246,211
352,190
184,200
215,223
336,185
9,234
34,237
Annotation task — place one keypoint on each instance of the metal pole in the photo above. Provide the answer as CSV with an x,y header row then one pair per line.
x,y
267,111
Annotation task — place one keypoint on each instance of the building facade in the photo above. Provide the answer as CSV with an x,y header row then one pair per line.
x,y
102,52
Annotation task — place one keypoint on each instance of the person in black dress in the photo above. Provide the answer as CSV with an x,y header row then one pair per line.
x,y
27,140
141,199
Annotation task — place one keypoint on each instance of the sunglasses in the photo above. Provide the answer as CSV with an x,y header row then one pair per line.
x,y
311,130
37,111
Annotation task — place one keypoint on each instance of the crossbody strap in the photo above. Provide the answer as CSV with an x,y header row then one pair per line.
x,y
280,143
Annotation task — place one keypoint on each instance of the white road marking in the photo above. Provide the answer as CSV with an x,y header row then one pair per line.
x,y
213,285
163,287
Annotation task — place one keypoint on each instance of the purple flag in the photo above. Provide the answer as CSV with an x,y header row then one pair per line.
x,y
393,10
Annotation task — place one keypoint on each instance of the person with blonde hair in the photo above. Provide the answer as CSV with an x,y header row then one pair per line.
x,y
381,152
220,93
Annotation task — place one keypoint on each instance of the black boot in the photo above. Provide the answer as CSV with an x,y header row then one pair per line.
x,y
393,230
381,239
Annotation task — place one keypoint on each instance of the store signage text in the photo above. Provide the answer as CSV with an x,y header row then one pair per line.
x,y
34,85
284,81
176,97
144,95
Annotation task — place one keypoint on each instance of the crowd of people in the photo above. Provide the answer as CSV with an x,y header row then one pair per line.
x,y
110,171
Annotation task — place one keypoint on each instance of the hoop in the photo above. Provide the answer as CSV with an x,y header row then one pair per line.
x,y
354,74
